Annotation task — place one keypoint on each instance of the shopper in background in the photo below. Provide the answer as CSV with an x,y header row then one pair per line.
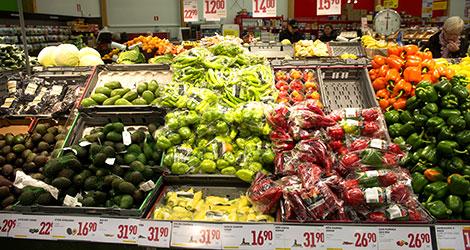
x,y
328,34
103,41
448,43
291,33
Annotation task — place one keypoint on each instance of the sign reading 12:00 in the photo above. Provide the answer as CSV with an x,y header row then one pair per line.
x,y
264,8
214,10
328,7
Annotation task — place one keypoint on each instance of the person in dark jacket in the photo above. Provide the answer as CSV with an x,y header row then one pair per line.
x,y
328,34
448,43
291,33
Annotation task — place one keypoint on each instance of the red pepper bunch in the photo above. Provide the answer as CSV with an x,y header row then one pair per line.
x,y
394,78
296,86
395,212
264,193
309,204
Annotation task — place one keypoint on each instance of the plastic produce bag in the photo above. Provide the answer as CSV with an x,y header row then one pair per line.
x,y
264,193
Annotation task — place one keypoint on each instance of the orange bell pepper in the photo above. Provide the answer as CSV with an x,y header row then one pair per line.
x,y
428,65
392,76
383,94
412,74
379,83
383,70
445,72
410,49
395,62
384,103
373,74
378,61
396,50
426,54
402,88
413,61
400,103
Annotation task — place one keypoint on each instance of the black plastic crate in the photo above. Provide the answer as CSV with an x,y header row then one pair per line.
x,y
346,87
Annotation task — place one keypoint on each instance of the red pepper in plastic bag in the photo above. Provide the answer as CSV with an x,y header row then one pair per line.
x,y
309,173
336,132
370,128
264,193
278,116
354,196
350,160
359,144
371,114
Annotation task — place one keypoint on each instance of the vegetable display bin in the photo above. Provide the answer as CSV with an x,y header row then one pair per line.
x,y
83,124
346,87
339,48
129,76
220,186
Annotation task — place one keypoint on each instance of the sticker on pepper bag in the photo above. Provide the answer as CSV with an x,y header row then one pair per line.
x,y
377,143
392,238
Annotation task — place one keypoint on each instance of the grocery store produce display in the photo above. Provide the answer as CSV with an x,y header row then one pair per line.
x,y
28,153
435,125
11,57
296,85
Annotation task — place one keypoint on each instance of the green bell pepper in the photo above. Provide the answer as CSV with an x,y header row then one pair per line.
x,y
426,92
228,171
419,119
458,184
415,140
405,116
447,147
460,91
430,109
412,103
456,123
434,124
400,141
466,210
446,134
466,117
407,129
394,129
463,137
184,132
179,168
418,182
392,117
245,175
208,166
437,190
438,209
446,113
443,86
429,154
455,165
454,203
449,101
420,167
163,143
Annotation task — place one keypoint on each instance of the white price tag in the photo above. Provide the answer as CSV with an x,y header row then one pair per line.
x,y
214,10
84,143
453,237
110,161
8,223
75,228
190,10
299,237
350,237
196,235
33,227
328,7
154,233
264,8
404,238
248,236
117,230
126,138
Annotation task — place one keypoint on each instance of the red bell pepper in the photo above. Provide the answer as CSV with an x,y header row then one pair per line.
x,y
335,132
377,217
370,114
370,128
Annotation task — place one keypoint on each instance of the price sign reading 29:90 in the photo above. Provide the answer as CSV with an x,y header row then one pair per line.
x,y
214,10
328,7
264,8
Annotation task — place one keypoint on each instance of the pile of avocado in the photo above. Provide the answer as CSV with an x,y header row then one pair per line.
x,y
29,153
103,170
112,93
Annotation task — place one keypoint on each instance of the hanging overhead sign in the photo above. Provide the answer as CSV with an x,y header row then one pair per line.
x,y
264,8
214,10
328,7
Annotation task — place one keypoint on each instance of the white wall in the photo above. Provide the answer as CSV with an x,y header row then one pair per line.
x,y
457,8
89,8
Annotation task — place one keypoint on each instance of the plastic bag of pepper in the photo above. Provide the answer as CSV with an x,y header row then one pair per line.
x,y
335,167
394,78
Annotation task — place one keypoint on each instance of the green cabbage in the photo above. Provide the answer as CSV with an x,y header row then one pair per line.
x,y
67,55
47,56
